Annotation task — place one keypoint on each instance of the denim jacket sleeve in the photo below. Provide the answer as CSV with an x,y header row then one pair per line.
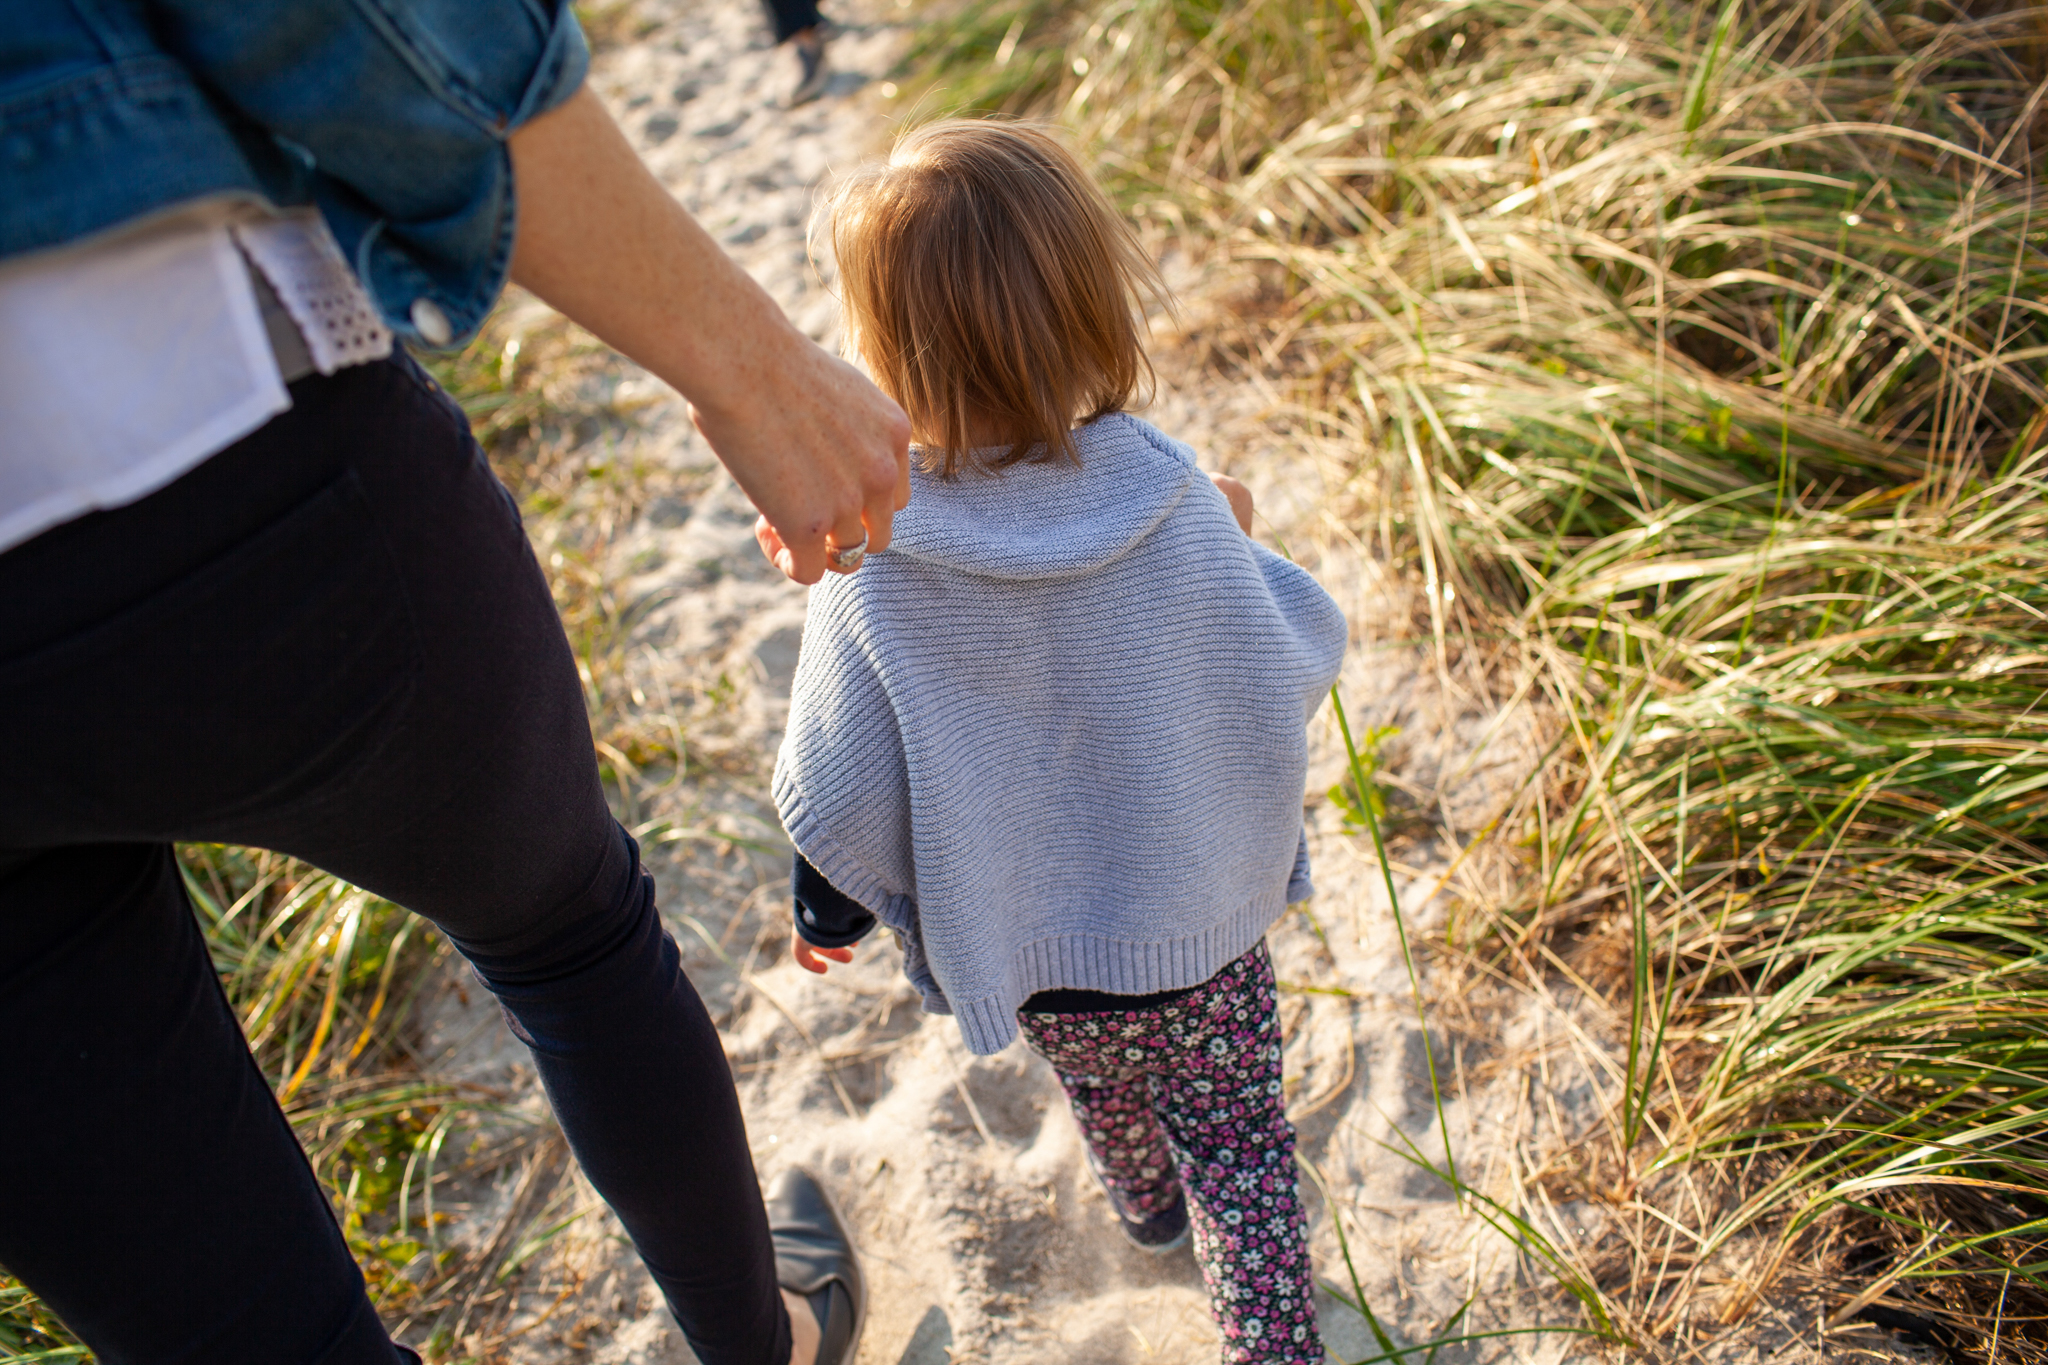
x,y
391,115
402,109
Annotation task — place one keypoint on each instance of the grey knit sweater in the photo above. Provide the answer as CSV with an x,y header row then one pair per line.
x,y
1055,736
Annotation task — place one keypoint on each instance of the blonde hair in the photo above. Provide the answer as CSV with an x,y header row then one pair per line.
x,y
990,285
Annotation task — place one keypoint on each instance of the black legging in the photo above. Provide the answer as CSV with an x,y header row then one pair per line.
x,y
331,640
791,17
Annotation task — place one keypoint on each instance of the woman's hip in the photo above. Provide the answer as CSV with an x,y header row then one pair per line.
x,y
330,639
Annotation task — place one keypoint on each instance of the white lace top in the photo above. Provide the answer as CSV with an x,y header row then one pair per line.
x,y
126,361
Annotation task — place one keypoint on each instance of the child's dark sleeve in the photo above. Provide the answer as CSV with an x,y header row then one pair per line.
x,y
825,916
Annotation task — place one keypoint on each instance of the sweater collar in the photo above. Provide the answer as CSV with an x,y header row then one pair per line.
x,y
1049,520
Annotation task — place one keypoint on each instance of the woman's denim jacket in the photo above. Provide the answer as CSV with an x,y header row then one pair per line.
x,y
390,115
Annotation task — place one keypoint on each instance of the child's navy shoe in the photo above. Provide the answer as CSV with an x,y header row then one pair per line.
x,y
1157,1232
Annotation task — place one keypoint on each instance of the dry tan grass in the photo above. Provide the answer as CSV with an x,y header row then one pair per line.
x,y
1686,360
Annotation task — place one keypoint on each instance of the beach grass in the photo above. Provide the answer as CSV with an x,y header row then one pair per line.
x,y
1689,360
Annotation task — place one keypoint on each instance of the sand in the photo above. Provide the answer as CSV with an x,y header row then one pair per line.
x,y
983,1235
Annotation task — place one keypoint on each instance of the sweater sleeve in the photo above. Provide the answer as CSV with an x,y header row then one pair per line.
x,y
826,917
841,784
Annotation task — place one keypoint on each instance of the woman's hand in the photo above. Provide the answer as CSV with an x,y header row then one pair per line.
x,y
823,453
812,959
820,451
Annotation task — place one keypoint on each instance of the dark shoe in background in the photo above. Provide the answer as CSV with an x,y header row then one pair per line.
x,y
813,71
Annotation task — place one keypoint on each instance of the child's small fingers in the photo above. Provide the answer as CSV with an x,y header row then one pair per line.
x,y
807,956
1239,497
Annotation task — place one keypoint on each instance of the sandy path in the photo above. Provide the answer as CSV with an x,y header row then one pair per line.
x,y
985,1238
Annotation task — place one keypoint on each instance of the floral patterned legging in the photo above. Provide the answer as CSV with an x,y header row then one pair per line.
x,y
1188,1093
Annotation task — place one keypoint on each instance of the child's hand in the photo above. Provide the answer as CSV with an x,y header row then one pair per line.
x,y
810,959
1240,500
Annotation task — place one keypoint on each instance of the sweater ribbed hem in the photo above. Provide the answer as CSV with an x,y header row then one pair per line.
x,y
1090,962
988,1024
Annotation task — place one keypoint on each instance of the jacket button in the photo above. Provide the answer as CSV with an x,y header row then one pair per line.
x,y
431,323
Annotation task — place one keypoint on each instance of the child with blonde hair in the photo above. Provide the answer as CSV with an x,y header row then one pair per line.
x,y
1055,736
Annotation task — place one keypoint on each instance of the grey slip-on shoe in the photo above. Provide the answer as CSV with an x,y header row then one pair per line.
x,y
814,1257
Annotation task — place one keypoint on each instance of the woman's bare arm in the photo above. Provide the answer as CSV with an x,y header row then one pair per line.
x,y
819,449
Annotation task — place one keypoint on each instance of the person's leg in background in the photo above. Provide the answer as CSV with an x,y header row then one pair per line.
x,y
798,23
332,640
